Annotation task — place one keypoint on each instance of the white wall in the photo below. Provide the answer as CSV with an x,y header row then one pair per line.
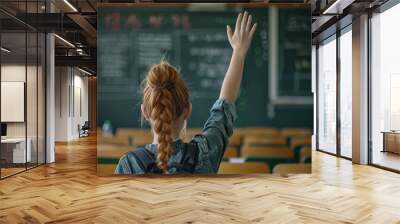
x,y
62,81
14,73
70,84
79,117
12,101
17,73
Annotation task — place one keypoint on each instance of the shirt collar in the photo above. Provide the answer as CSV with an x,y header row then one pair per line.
x,y
176,145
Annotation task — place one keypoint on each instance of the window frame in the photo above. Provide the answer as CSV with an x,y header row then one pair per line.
x,y
333,37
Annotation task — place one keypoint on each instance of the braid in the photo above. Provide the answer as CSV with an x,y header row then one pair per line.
x,y
162,114
165,97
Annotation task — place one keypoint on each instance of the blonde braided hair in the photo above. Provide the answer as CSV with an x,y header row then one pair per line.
x,y
165,97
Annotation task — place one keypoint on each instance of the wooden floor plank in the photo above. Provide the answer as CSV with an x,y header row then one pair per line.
x,y
69,191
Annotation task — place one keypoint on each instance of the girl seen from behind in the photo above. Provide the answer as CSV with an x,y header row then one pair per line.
x,y
166,106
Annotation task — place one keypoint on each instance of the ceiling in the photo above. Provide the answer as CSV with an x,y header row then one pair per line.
x,y
76,22
72,20
332,15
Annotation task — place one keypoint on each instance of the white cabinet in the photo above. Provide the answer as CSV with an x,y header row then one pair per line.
x,y
19,155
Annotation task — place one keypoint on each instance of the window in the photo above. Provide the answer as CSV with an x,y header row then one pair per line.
x,y
385,89
22,77
327,95
346,93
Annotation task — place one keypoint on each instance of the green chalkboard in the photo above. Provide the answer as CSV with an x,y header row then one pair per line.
x,y
130,39
294,54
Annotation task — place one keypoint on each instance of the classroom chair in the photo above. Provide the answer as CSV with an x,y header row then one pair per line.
x,y
99,132
108,157
260,131
231,152
300,141
297,148
133,131
110,151
193,131
305,154
243,168
137,136
271,161
269,152
291,132
238,131
269,155
263,141
106,169
261,135
235,140
292,168
142,140
114,140
189,133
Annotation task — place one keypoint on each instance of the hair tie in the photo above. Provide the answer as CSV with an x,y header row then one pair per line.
x,y
166,85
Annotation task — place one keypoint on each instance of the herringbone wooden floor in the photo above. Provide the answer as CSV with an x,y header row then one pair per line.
x,y
69,191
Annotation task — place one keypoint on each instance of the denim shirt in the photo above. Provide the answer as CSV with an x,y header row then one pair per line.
x,y
211,143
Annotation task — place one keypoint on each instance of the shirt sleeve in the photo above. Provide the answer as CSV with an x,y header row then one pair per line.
x,y
127,165
214,138
123,166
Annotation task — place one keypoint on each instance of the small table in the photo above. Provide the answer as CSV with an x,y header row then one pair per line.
x,y
13,150
391,141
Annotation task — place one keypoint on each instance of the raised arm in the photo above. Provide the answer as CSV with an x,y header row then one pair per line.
x,y
240,41
214,138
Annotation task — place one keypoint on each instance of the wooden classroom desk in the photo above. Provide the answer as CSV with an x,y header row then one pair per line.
x,y
391,141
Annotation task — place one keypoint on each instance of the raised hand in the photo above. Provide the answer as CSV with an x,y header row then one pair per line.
x,y
240,39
